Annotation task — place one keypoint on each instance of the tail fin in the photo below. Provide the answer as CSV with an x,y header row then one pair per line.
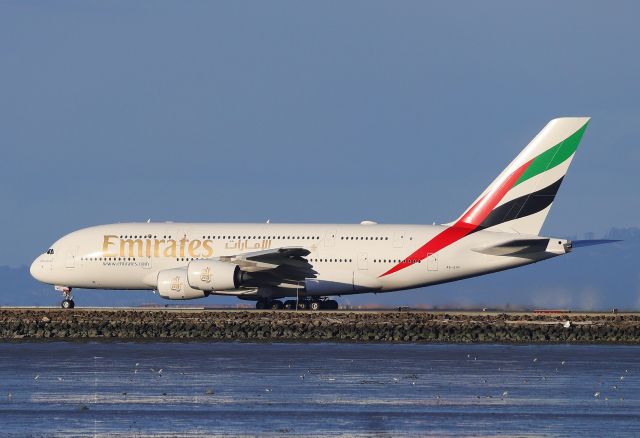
x,y
520,198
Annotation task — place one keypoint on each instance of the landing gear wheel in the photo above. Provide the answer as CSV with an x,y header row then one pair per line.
x,y
289,305
261,304
275,305
67,303
303,305
315,305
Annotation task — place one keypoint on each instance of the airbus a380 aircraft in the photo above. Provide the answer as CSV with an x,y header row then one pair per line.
x,y
269,262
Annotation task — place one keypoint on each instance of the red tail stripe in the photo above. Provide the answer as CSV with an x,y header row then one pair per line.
x,y
466,224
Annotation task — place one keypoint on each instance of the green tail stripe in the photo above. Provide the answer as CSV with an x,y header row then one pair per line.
x,y
554,156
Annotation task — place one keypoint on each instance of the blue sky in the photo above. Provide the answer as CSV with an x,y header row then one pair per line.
x,y
399,112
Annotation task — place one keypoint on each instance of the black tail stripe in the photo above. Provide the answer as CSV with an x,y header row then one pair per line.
x,y
523,206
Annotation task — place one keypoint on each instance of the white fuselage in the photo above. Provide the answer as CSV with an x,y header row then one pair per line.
x,y
130,255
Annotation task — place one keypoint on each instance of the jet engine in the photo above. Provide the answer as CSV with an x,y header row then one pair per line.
x,y
173,285
213,275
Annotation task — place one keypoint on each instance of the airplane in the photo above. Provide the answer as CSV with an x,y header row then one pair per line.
x,y
269,262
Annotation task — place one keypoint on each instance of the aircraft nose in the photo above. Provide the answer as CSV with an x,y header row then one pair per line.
x,y
36,269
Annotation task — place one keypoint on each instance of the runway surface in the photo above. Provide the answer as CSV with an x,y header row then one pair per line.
x,y
198,389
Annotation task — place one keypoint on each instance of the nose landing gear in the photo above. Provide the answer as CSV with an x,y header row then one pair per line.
x,y
67,303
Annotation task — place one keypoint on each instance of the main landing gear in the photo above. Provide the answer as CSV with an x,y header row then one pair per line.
x,y
67,303
303,304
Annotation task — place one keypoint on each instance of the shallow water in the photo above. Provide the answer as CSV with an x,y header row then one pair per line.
x,y
196,389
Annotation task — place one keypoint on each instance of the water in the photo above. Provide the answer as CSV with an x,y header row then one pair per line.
x,y
197,389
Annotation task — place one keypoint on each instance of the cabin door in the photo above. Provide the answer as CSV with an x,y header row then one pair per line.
x,y
330,237
363,260
70,261
398,238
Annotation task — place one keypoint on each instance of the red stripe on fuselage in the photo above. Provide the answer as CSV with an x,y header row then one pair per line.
x,y
468,223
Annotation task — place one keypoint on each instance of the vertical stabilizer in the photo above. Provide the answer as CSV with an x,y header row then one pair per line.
x,y
520,198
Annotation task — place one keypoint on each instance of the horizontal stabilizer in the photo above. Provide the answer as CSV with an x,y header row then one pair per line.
x,y
517,247
581,243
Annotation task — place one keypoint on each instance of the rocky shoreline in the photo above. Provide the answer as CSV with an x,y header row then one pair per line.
x,y
325,326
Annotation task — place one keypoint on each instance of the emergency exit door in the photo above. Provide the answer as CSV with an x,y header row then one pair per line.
x,y
432,262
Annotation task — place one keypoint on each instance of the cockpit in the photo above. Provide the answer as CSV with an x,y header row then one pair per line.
x,y
49,251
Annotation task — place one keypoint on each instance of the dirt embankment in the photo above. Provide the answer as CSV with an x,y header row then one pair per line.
x,y
425,327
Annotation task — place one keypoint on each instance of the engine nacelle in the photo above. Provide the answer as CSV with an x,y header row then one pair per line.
x,y
173,285
213,275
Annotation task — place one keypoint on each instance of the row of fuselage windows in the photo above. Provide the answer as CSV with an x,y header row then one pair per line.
x,y
224,237
188,259
294,237
408,262
128,259
108,259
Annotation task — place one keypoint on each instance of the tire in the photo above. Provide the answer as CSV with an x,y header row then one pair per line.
x,y
315,305
67,304
303,305
260,305
276,305
289,305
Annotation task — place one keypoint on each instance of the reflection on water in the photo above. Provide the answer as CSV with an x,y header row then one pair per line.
x,y
318,389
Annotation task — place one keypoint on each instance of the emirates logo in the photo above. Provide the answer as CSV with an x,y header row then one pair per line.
x,y
205,275
176,284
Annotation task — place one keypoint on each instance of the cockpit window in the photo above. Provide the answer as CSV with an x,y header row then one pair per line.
x,y
50,251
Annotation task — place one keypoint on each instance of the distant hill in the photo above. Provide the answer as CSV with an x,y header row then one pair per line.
x,y
598,277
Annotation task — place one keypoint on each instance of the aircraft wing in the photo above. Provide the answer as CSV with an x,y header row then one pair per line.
x,y
274,267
